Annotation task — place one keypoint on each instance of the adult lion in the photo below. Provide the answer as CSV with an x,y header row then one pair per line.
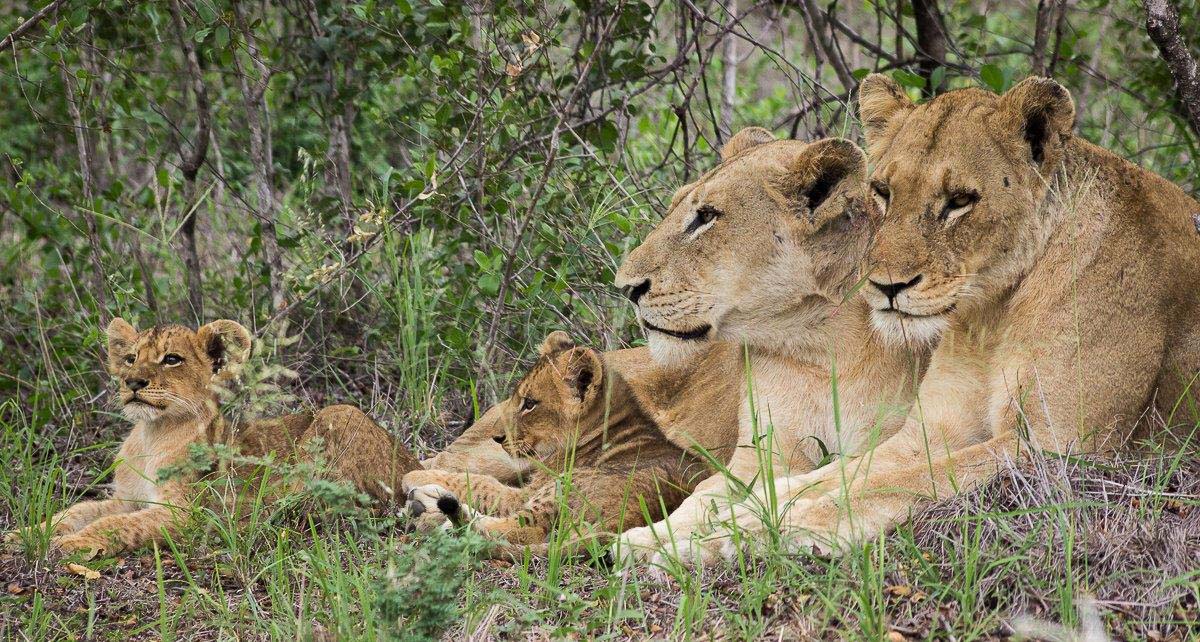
x,y
1061,279
766,251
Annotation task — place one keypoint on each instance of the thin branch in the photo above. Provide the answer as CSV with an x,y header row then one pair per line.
x,y
30,23
1162,23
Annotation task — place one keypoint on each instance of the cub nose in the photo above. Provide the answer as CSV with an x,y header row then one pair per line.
x,y
635,292
136,384
498,439
891,290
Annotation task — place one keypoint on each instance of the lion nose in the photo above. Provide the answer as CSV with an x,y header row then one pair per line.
x,y
892,290
498,439
136,384
635,292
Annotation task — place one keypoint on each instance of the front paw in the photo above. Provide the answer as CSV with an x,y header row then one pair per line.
x,y
431,504
634,546
88,547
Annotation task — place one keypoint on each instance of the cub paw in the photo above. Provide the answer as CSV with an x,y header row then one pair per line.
x,y
72,545
433,500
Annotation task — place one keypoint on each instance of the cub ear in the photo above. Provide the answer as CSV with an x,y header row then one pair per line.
x,y
121,337
1044,114
582,373
819,169
227,345
556,341
748,138
879,100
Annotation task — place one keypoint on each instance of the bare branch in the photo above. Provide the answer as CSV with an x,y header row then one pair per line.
x,y
30,23
1162,23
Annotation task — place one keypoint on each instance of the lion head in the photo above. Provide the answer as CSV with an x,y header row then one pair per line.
x,y
756,250
167,372
555,401
962,181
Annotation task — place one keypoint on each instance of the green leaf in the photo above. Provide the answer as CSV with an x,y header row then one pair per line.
x,y
993,77
908,79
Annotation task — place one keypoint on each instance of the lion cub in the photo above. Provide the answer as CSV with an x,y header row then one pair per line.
x,y
584,429
167,376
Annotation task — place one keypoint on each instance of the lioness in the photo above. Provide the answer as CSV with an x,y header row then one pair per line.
x,y
582,425
766,250
1061,279
166,376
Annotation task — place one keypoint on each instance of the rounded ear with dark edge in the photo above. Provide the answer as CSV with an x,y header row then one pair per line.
x,y
227,345
820,168
582,373
121,337
746,139
1044,114
879,100
556,341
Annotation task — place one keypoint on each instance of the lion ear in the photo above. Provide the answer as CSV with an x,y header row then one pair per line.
x,y
556,341
227,345
1044,114
820,168
748,138
121,337
879,100
582,373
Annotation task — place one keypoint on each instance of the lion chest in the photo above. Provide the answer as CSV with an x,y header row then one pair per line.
x,y
140,462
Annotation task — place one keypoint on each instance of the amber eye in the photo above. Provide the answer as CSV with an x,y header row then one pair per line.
x,y
881,190
528,404
705,215
172,359
129,359
957,204
962,200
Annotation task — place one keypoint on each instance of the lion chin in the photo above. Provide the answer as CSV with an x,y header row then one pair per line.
x,y
909,330
669,351
137,411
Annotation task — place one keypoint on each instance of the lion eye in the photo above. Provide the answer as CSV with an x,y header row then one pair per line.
x,y
705,215
881,190
171,359
528,404
129,359
958,204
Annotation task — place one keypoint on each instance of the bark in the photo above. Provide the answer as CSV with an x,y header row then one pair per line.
x,y
264,206
729,71
83,149
190,164
931,41
1050,15
1162,23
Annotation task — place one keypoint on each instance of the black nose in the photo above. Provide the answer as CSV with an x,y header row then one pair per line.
x,y
635,292
136,384
498,439
890,290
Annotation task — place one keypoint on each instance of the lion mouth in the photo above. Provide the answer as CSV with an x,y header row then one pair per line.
x,y
142,402
683,335
912,315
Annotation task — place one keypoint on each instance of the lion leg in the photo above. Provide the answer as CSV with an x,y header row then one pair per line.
x,y
113,533
360,452
75,517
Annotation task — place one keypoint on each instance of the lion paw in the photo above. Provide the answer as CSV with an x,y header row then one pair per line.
x,y
432,504
74,544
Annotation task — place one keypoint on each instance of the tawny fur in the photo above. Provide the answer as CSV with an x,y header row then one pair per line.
x,y
173,405
574,420
1065,294
766,251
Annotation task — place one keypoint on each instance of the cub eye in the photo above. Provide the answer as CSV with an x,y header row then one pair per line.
x,y
129,359
705,215
172,359
958,204
528,404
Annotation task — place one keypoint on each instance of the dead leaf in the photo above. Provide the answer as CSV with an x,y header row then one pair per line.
x,y
15,589
513,70
899,590
532,40
83,571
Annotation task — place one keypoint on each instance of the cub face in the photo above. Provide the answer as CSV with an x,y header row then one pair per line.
x,y
961,181
744,252
167,371
547,408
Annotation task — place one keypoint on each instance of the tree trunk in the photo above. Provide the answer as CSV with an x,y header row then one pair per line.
x,y
931,41
264,209
190,164
1162,23
83,150
729,71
